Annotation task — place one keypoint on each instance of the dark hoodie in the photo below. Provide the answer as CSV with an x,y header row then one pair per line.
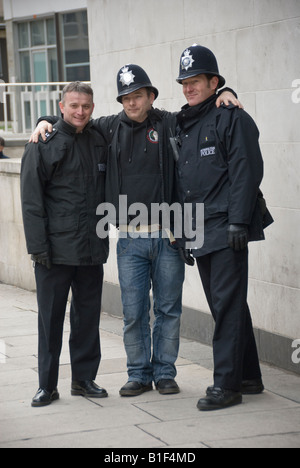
x,y
140,159
139,163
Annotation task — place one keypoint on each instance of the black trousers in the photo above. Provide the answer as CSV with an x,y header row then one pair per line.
x,y
224,276
53,287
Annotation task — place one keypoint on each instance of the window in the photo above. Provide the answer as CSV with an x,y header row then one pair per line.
x,y
37,29
42,43
23,35
38,41
75,46
37,51
38,64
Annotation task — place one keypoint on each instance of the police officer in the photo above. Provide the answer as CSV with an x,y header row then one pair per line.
x,y
62,183
221,166
141,167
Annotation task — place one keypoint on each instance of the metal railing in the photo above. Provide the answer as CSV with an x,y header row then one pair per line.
x,y
24,103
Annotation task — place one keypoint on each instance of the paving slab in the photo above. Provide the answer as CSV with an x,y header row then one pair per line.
x,y
148,421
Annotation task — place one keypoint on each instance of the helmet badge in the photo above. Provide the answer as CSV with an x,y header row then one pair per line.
x,y
126,77
187,60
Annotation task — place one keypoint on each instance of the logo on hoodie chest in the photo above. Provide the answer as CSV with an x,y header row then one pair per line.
x,y
152,136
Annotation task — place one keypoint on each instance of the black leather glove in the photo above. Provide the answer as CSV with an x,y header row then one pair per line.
x,y
186,256
43,258
238,236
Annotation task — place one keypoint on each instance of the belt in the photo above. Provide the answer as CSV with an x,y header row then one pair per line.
x,y
143,229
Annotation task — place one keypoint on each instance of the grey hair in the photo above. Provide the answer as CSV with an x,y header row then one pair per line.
x,y
77,87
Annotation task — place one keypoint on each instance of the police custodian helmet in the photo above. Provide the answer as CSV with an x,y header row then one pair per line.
x,y
131,78
198,60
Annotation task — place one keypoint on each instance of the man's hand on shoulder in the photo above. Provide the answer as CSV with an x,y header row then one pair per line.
x,y
228,98
42,128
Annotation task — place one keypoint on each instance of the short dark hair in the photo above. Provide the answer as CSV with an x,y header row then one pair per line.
x,y
77,87
148,90
210,77
2,141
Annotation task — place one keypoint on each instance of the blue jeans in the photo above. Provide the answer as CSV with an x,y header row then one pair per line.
x,y
142,262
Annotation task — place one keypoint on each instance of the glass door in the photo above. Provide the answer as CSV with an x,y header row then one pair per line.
x,y
40,75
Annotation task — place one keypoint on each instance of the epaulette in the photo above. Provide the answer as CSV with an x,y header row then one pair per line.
x,y
230,107
49,136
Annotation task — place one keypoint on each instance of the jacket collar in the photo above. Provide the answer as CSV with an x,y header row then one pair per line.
x,y
190,115
69,129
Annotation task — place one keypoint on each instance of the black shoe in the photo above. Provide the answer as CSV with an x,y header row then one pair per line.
x,y
167,387
219,398
249,387
88,388
44,398
252,387
135,389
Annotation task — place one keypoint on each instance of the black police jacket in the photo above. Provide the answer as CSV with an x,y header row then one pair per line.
x,y
62,183
220,165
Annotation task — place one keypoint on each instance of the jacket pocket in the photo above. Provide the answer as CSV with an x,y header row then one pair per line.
x,y
208,149
63,224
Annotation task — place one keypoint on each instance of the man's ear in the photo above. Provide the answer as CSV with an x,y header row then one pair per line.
x,y
152,98
214,83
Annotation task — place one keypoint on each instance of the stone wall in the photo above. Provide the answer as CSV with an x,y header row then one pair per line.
x,y
257,46
15,265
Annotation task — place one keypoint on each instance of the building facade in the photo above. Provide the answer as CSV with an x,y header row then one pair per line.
x,y
257,46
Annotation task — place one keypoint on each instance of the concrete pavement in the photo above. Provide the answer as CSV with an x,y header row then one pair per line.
x,y
149,421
